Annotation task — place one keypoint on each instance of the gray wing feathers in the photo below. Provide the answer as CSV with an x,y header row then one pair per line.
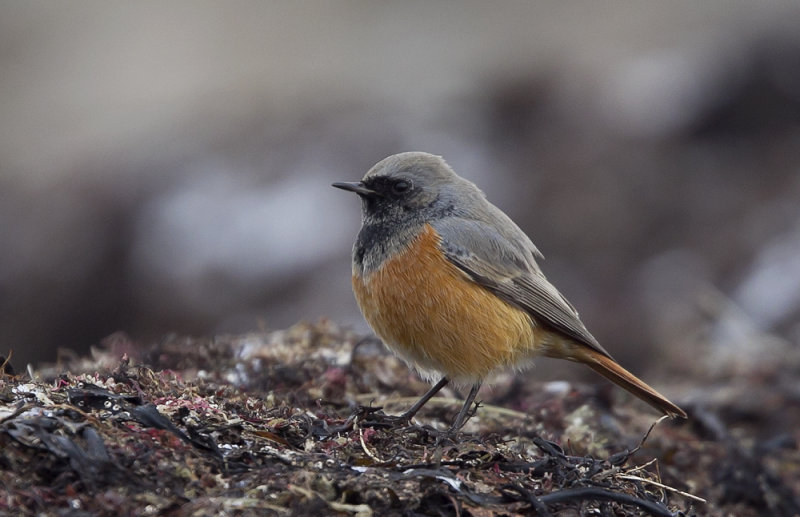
x,y
505,263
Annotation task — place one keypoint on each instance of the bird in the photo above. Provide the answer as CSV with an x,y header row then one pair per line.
x,y
452,285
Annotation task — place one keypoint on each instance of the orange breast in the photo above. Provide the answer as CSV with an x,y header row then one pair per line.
x,y
431,314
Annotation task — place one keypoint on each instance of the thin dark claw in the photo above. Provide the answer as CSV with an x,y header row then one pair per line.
x,y
376,418
381,419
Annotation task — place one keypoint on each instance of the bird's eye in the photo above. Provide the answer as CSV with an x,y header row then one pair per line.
x,y
400,186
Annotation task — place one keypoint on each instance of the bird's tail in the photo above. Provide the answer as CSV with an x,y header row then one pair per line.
x,y
612,371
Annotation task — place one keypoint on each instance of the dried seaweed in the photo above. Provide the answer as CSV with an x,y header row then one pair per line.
x,y
289,423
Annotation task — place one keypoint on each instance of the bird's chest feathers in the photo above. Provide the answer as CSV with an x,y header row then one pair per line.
x,y
428,311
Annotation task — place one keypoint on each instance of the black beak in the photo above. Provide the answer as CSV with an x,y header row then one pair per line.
x,y
357,186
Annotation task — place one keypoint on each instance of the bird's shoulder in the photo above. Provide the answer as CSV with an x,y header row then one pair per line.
x,y
495,253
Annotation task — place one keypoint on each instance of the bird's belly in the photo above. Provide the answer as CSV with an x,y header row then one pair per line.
x,y
431,314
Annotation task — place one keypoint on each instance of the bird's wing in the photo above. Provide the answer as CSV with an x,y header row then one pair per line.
x,y
505,264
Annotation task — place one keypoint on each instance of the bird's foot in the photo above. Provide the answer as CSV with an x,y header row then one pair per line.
x,y
369,416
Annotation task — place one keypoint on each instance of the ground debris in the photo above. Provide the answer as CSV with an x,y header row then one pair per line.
x,y
294,423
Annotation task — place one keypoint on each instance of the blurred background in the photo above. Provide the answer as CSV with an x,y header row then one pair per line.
x,y
166,167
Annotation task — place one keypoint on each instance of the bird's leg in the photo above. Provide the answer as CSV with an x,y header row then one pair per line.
x,y
462,417
408,415
378,419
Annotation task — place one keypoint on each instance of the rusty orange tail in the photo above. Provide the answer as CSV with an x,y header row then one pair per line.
x,y
612,371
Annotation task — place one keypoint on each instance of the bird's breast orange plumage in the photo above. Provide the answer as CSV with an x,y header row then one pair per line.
x,y
430,313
